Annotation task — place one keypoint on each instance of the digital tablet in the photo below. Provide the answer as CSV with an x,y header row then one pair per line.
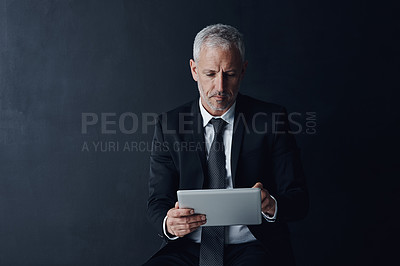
x,y
239,206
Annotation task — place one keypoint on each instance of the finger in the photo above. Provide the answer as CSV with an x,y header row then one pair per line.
x,y
182,220
180,227
195,218
177,213
265,204
194,226
176,205
264,194
258,185
183,230
182,223
191,226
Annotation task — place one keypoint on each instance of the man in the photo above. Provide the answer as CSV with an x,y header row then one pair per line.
x,y
256,150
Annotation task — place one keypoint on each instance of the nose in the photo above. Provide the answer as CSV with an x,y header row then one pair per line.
x,y
220,82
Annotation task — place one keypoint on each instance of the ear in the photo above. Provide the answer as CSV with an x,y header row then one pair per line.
x,y
193,69
244,66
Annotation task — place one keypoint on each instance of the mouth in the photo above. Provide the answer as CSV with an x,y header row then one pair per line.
x,y
219,98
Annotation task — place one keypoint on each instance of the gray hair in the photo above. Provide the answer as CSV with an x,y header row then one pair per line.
x,y
218,35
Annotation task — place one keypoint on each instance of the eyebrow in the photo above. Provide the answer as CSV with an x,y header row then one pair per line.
x,y
208,70
213,71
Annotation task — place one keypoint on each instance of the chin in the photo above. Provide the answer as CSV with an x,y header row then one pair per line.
x,y
220,106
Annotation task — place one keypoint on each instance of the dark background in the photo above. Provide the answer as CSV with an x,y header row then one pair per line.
x,y
59,59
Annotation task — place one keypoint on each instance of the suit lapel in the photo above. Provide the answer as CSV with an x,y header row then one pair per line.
x,y
198,137
237,138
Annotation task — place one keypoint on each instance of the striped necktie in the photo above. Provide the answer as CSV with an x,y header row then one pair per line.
x,y
213,237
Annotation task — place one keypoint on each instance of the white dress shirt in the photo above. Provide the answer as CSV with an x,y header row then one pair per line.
x,y
234,234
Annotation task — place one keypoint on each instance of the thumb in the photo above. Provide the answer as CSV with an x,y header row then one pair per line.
x,y
258,185
176,205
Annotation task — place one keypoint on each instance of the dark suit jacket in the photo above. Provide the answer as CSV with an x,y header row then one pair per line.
x,y
262,151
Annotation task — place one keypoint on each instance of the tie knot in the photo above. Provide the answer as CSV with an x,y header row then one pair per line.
x,y
218,124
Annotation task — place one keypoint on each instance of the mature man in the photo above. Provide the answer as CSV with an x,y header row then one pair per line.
x,y
256,150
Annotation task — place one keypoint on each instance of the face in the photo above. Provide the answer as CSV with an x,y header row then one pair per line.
x,y
218,73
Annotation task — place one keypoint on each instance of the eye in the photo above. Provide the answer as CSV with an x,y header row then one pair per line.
x,y
210,74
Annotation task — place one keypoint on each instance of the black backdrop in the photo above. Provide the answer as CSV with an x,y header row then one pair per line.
x,y
64,203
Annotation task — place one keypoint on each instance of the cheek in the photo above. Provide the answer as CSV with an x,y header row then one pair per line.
x,y
232,86
206,85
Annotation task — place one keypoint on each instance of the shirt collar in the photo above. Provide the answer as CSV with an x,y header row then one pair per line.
x,y
228,116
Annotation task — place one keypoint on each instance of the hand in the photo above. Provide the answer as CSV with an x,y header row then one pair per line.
x,y
181,222
267,203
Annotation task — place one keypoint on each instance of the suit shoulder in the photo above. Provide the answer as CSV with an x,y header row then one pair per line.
x,y
174,114
187,107
256,105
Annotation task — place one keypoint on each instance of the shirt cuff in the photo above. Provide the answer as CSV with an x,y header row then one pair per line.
x,y
165,231
269,218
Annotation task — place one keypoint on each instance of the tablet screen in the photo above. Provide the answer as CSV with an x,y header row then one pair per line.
x,y
222,207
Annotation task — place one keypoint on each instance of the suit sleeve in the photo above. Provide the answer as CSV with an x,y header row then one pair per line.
x,y
163,180
292,194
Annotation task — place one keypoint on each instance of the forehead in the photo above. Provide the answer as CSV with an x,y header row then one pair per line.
x,y
221,56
